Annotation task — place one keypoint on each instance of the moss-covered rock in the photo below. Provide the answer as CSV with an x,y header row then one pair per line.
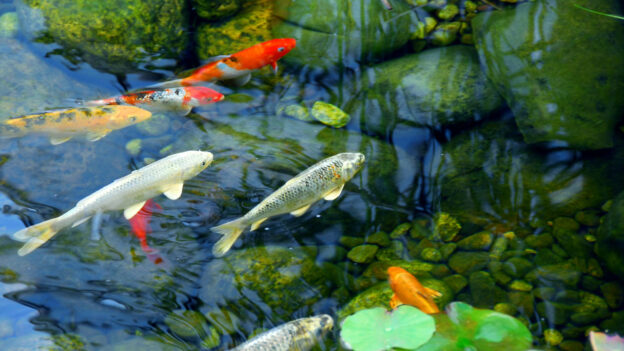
x,y
251,25
329,114
340,32
401,91
187,323
610,238
212,10
379,238
363,253
465,263
445,227
281,279
485,293
115,36
552,99
478,241
9,25
376,296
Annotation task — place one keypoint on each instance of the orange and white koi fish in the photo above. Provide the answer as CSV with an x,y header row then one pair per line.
x,y
61,125
408,290
140,227
181,99
238,67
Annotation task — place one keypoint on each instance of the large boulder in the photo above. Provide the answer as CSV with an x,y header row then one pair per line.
x,y
437,88
558,67
610,243
114,36
490,177
341,32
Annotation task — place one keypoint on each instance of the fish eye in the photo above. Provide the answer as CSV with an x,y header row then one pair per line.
x,y
280,49
203,163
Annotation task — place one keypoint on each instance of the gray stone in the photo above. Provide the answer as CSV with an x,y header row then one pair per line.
x,y
551,98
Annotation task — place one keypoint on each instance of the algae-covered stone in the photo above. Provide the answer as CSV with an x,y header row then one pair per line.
x,y
613,294
341,32
506,308
520,285
457,282
212,339
539,241
542,83
565,230
447,250
400,230
517,267
588,218
363,253
445,33
251,25
376,296
485,293
9,25
401,91
281,279
297,111
216,9
555,313
431,254
565,273
329,114
465,263
350,241
478,241
610,238
186,323
448,12
379,269
445,227
133,147
115,36
553,337
379,238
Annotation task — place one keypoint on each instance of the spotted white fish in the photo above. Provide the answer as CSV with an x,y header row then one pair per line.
x,y
324,180
128,193
298,335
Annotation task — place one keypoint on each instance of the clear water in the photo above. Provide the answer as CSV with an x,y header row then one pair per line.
x,y
79,292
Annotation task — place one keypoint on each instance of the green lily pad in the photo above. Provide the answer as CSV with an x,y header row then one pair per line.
x,y
377,329
464,327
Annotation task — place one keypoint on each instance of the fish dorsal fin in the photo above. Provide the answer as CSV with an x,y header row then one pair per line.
x,y
256,224
300,211
77,223
174,191
332,195
58,140
432,293
95,136
129,212
395,301
274,66
240,80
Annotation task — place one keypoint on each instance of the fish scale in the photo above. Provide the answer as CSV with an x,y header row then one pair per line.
x,y
298,335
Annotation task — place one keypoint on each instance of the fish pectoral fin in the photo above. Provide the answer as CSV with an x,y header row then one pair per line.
x,y
131,211
58,140
395,301
77,223
432,293
274,66
300,211
174,191
256,224
332,195
241,80
95,136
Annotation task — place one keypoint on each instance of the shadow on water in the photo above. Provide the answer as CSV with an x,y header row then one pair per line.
x,y
492,137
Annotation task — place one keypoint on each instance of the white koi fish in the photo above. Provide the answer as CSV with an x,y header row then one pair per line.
x,y
324,180
128,193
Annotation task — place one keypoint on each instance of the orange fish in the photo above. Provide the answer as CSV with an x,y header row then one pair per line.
x,y
140,226
238,67
181,99
408,290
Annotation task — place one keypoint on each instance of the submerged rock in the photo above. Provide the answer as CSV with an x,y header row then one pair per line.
x,y
273,277
561,81
9,25
216,9
112,36
437,87
610,238
329,114
341,32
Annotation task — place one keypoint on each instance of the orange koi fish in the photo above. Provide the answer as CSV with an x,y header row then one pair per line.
x,y
175,99
93,123
238,67
408,290
140,226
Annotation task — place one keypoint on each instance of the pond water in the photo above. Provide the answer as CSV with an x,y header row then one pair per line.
x,y
494,167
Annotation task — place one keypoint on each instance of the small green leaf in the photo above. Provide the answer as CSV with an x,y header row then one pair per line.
x,y
376,329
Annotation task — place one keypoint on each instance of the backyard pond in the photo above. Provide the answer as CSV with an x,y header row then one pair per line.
x,y
494,170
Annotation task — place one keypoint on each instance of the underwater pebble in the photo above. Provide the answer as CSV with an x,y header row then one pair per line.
x,y
431,254
552,337
350,241
329,114
613,294
445,227
133,147
400,230
9,25
299,112
448,12
379,238
457,282
520,285
505,308
517,267
186,323
363,253
476,242
465,263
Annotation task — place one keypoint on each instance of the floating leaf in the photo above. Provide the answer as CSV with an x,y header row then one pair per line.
x,y
464,327
603,342
376,329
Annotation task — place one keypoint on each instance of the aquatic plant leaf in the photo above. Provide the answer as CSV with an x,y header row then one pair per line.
x,y
376,329
464,327
603,342
599,13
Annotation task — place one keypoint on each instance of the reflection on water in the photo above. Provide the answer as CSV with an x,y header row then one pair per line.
x,y
453,138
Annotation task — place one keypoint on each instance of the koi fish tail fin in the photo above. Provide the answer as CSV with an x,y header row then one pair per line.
x,y
168,84
35,236
230,231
